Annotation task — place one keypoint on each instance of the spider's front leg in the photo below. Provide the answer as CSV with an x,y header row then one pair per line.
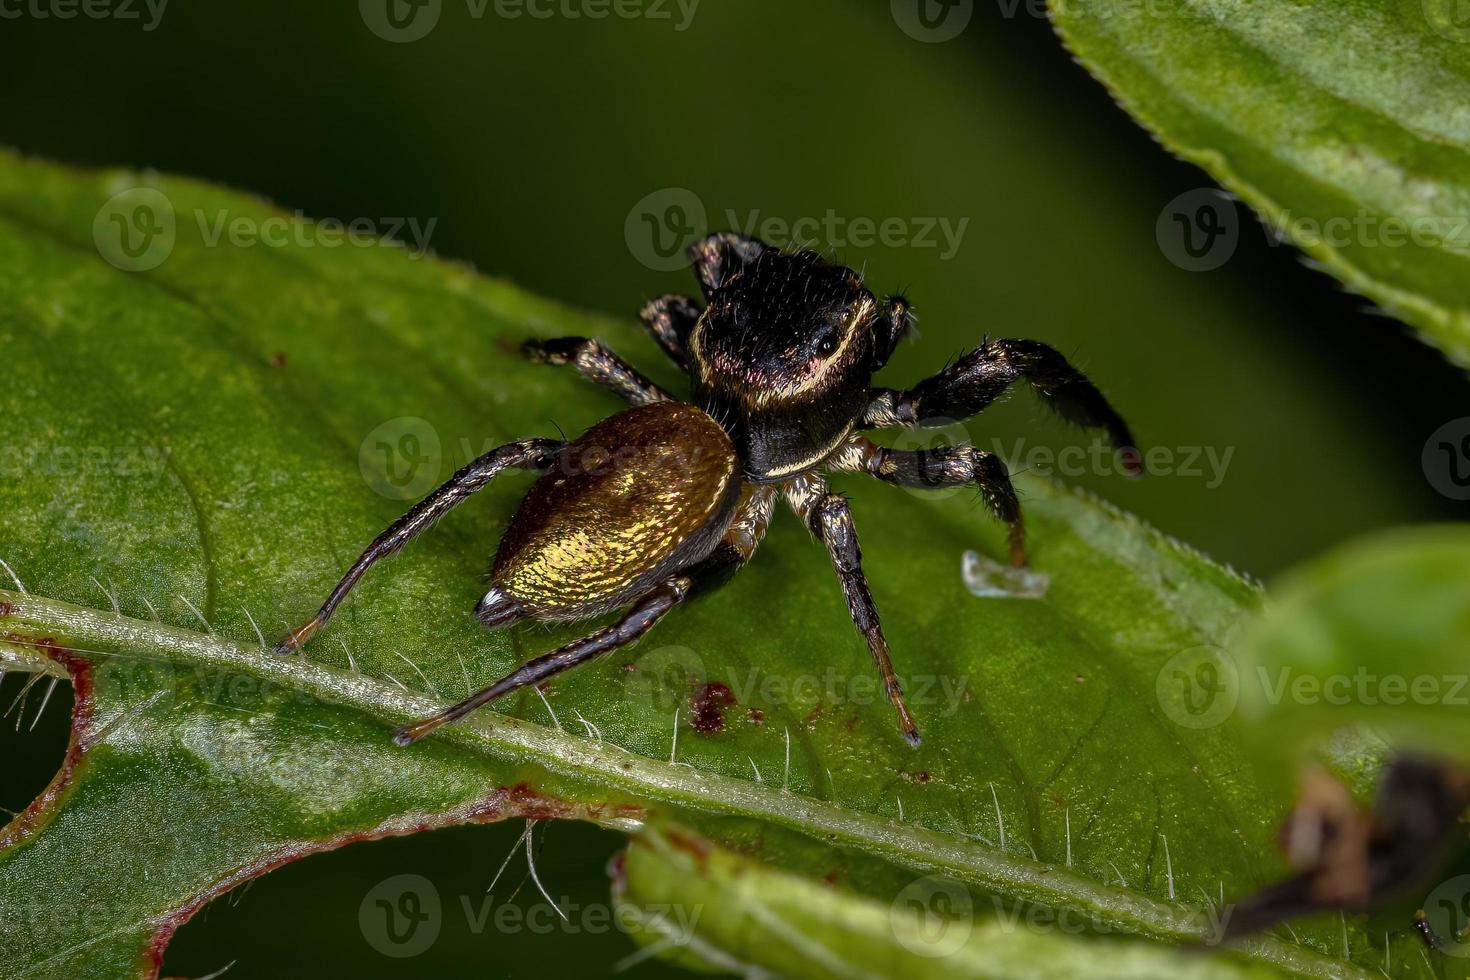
x,y
670,319
943,466
596,362
978,378
829,517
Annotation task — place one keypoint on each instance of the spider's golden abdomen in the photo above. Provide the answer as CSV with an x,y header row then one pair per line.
x,y
640,495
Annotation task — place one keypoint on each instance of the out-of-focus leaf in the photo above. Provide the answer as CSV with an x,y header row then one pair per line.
x,y
1376,633
1344,124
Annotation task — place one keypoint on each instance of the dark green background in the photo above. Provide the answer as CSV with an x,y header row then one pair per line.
x,y
530,141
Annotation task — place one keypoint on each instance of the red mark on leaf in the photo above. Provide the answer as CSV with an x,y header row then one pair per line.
x,y
709,704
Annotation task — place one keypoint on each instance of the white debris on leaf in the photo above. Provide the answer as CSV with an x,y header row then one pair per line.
x,y
989,579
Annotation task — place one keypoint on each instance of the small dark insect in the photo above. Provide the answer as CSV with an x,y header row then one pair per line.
x,y
669,497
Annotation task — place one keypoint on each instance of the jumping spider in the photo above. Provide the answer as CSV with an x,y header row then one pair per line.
x,y
669,496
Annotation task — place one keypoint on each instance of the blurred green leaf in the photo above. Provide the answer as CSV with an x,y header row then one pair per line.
x,y
1342,123
739,916
1376,632
205,421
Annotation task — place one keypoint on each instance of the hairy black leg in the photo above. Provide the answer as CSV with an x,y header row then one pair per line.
x,y
829,517
942,466
669,319
595,362
639,619
979,377
531,454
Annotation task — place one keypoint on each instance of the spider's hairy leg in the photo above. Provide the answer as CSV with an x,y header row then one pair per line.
x,y
738,544
531,454
596,362
942,466
670,319
829,517
639,619
979,377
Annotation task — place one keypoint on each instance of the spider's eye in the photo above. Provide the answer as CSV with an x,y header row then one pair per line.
x,y
827,344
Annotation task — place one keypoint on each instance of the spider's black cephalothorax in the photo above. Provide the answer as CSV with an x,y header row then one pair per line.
x,y
783,353
781,357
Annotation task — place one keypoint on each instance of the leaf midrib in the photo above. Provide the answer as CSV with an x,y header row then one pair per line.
x,y
92,633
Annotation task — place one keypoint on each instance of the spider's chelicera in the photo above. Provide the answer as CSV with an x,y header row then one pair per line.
x,y
667,497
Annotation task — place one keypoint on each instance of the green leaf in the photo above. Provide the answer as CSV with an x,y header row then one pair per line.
x,y
209,429
1374,633
738,916
1342,123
